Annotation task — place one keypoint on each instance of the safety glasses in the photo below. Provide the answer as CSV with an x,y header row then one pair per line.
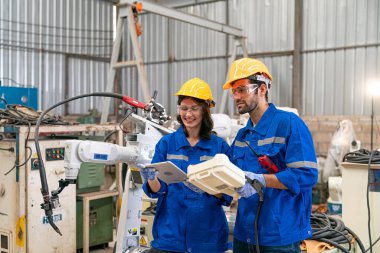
x,y
183,109
243,90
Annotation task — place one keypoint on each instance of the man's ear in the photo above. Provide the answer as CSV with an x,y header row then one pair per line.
x,y
263,88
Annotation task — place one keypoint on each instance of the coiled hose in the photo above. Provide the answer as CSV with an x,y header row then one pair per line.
x,y
333,231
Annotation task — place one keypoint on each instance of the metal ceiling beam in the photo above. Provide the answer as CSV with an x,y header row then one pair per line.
x,y
186,17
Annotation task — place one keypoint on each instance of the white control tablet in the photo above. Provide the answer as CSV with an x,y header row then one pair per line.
x,y
168,172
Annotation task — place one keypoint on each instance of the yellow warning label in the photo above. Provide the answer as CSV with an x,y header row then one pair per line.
x,y
134,168
20,231
143,241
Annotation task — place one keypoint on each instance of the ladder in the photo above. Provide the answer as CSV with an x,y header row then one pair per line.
x,y
129,13
238,42
127,9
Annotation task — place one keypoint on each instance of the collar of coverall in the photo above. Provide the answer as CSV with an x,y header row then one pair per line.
x,y
181,140
265,121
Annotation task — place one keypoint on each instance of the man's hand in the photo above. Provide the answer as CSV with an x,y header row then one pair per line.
x,y
247,190
147,173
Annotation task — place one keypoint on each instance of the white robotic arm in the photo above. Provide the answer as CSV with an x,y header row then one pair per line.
x,y
77,152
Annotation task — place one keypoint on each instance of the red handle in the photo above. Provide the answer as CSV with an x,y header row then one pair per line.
x,y
134,102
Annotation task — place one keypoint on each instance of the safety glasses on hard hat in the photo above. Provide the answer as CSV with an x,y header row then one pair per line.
x,y
258,79
243,90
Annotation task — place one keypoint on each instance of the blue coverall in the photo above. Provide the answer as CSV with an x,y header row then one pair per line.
x,y
187,221
285,214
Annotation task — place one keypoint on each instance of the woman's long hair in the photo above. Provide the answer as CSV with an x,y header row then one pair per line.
x,y
207,122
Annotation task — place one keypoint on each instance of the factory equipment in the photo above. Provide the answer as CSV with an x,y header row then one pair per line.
x,y
360,199
23,227
100,222
139,148
100,216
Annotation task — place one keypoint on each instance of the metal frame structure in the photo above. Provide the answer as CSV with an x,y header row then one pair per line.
x,y
125,11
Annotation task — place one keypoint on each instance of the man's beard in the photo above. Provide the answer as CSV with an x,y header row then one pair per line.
x,y
247,109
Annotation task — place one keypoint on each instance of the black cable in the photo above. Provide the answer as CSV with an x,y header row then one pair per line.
x,y
44,185
11,149
4,100
355,236
362,156
14,166
20,115
124,119
377,240
259,189
368,206
256,226
109,135
333,231
26,147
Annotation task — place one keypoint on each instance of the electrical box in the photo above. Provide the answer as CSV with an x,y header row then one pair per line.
x,y
354,202
19,96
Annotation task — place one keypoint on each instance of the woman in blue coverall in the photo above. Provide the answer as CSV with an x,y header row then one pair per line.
x,y
188,219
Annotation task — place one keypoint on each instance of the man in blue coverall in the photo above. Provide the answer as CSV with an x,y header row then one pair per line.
x,y
284,219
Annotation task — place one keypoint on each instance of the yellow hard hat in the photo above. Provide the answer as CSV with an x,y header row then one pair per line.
x,y
244,68
197,88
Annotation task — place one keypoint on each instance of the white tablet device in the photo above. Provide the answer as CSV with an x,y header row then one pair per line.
x,y
168,172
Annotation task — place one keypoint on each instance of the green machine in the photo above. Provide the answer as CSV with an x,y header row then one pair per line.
x,y
90,179
100,215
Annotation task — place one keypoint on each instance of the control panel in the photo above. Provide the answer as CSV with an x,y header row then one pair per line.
x,y
55,154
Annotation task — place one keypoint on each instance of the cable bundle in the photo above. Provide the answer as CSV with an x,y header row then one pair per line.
x,y
22,115
333,231
362,156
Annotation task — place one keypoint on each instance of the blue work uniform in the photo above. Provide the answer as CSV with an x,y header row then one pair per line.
x,y
187,221
285,214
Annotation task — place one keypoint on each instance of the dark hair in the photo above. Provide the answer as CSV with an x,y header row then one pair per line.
x,y
207,122
253,80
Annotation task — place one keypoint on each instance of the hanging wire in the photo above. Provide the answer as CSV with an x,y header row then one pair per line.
x,y
125,118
